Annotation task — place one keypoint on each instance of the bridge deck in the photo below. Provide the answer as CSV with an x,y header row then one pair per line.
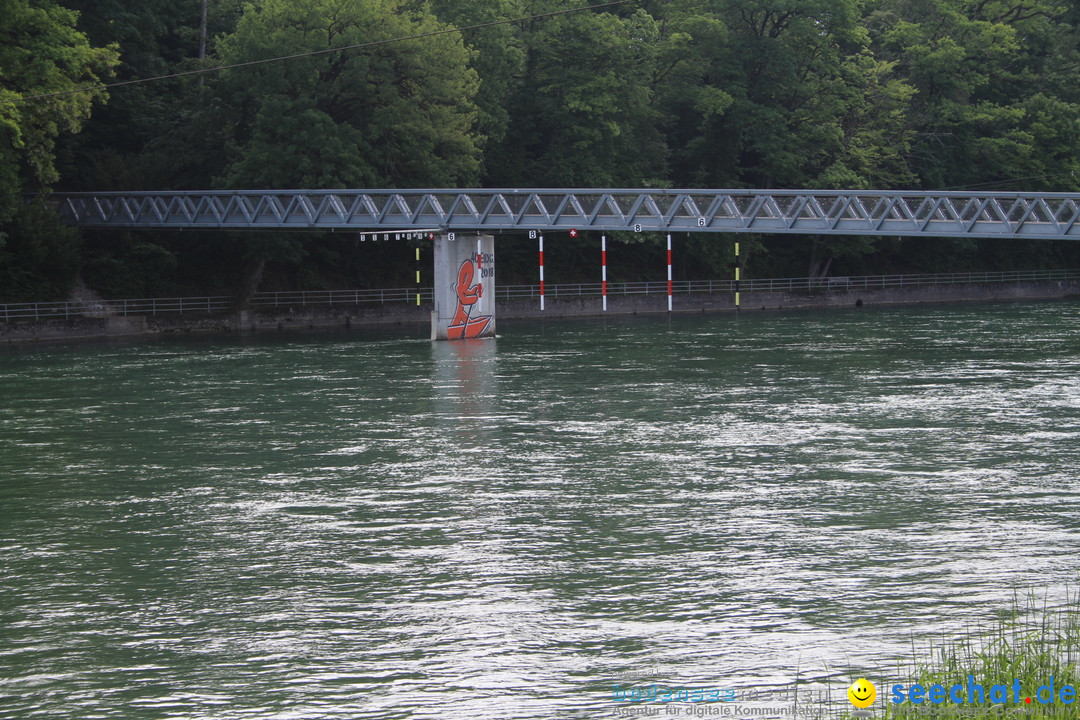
x,y
812,212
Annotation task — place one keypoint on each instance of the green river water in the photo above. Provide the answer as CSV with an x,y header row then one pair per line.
x,y
373,525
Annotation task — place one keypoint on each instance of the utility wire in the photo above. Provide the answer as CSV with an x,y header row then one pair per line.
x,y
373,43
1006,182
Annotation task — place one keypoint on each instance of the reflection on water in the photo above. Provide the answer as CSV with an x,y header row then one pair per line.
x,y
465,380
328,526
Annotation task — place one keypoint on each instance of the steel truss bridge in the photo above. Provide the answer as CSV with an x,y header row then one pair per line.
x,y
810,212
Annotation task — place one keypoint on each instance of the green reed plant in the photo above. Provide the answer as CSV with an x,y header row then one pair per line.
x,y
1030,642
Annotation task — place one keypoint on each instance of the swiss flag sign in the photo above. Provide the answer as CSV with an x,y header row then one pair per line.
x,y
573,232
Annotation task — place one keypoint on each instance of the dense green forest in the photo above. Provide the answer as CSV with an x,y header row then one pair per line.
x,y
921,94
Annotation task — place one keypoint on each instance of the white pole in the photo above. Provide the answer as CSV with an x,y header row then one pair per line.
x,y
541,271
603,269
669,272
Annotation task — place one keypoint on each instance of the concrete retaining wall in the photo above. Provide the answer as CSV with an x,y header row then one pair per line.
x,y
346,316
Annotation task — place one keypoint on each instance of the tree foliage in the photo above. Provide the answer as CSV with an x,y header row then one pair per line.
x,y
394,114
927,94
41,52
44,61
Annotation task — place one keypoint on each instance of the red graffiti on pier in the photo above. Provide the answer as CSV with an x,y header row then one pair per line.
x,y
462,325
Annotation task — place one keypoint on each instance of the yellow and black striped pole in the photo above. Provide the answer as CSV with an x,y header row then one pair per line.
x,y
417,276
737,274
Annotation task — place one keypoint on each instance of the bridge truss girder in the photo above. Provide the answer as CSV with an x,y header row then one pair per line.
x,y
808,212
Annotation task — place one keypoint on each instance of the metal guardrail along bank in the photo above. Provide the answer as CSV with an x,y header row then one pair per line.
x,y
323,298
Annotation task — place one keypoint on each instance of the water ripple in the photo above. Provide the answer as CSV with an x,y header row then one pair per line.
x,y
390,528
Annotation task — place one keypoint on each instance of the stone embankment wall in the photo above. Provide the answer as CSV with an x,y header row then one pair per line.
x,y
345,316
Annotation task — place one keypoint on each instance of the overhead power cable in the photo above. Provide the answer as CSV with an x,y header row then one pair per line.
x,y
1009,181
282,58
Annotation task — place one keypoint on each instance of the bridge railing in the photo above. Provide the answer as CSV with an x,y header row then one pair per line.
x,y
404,213
322,298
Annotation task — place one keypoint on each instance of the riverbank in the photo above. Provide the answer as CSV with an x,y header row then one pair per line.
x,y
344,316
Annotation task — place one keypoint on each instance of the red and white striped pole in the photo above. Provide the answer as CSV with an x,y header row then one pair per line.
x,y
669,272
541,271
603,269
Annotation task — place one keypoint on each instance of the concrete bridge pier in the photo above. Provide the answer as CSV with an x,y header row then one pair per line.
x,y
464,287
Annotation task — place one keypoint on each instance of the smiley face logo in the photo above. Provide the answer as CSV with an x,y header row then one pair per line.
x,y
862,693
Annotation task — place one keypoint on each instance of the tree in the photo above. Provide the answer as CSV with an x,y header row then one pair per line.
x,y
398,113
498,57
41,52
40,257
691,93
583,114
995,102
43,58
157,135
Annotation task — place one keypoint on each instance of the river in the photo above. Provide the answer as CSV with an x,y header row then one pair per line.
x,y
374,525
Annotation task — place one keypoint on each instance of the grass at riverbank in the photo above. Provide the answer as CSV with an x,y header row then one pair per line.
x,y
1032,642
